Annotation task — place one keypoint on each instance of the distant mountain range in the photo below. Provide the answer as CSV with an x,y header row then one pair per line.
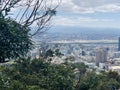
x,y
64,29
80,33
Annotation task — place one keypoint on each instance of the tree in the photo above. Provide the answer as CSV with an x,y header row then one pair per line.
x,y
93,81
114,75
30,13
14,39
81,70
58,53
15,29
49,53
38,74
70,59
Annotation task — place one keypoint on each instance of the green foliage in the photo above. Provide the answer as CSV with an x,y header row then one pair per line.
x,y
70,59
58,53
92,81
14,39
39,74
4,83
81,67
49,53
17,85
114,75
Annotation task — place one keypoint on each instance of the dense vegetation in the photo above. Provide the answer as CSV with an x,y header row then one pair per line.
x,y
14,39
39,74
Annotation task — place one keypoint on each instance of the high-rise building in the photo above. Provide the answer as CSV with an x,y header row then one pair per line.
x,y
119,44
101,55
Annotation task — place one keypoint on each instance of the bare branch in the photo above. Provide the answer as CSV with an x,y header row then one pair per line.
x,y
30,13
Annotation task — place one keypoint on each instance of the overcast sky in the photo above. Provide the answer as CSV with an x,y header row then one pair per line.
x,y
88,13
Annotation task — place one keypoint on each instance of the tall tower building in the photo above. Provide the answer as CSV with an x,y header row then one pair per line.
x,y
119,44
101,55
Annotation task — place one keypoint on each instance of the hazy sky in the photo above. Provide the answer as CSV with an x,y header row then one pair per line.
x,y
88,13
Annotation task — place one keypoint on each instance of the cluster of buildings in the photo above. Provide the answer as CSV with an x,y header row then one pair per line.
x,y
99,56
108,58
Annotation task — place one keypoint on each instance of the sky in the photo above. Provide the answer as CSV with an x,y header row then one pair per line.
x,y
88,13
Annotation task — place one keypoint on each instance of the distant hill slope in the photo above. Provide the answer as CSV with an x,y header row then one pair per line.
x,y
81,33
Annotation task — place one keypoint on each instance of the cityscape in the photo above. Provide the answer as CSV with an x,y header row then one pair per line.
x,y
59,45
102,55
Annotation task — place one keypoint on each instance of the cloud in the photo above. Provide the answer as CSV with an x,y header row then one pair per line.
x,y
78,21
84,6
90,6
108,8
